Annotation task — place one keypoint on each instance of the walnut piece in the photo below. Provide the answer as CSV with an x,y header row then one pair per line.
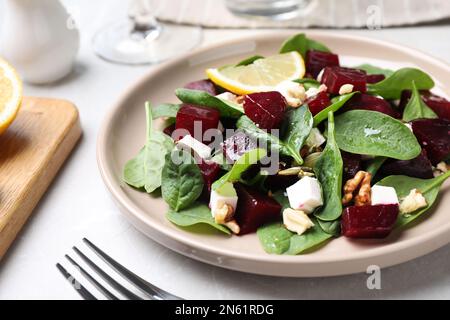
x,y
359,185
223,214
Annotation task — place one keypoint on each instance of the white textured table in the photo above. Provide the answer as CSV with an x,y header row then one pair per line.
x,y
77,205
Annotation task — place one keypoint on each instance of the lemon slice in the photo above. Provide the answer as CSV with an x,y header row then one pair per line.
x,y
260,76
10,95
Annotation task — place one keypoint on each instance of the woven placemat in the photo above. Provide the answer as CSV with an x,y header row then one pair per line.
x,y
322,13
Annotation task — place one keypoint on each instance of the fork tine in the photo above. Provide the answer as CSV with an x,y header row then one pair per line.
x,y
94,282
127,293
145,286
82,291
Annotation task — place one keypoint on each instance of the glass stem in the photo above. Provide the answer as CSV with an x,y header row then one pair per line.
x,y
144,24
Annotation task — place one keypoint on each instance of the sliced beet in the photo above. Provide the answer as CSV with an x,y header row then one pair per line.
x,y
191,117
317,60
419,167
374,78
352,165
266,109
254,209
372,222
434,136
236,145
371,103
169,130
203,85
210,172
335,77
318,103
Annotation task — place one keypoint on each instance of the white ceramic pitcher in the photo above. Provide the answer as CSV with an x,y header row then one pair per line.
x,y
38,38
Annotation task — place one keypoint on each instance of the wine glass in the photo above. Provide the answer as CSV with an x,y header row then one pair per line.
x,y
141,39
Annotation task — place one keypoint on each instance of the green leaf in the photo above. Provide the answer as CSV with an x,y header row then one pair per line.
x,y
227,109
144,171
308,83
166,110
375,134
197,214
281,199
250,128
403,185
182,180
416,108
391,88
371,69
309,240
331,227
375,165
297,127
328,171
240,166
302,44
336,104
249,61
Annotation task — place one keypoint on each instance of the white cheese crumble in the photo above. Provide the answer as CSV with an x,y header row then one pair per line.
x,y
224,195
413,202
305,195
383,195
190,143
346,88
296,221
293,92
315,139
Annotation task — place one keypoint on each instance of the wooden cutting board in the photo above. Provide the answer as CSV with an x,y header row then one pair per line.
x,y
32,151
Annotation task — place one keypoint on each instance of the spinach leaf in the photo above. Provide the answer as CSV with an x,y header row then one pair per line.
x,y
182,180
240,166
416,108
144,171
302,44
227,109
249,61
391,88
250,128
371,69
308,83
276,239
375,165
166,110
374,133
328,171
336,104
282,200
197,214
297,126
403,185
331,227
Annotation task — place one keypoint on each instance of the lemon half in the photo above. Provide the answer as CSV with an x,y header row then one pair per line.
x,y
10,94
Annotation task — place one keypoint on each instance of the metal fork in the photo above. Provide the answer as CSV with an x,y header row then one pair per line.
x,y
149,291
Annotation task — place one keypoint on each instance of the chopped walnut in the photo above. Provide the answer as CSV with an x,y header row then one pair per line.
x,y
233,226
223,214
360,184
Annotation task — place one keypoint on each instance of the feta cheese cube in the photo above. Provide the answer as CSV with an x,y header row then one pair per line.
x,y
296,221
384,195
413,202
305,195
224,195
293,92
190,143
315,139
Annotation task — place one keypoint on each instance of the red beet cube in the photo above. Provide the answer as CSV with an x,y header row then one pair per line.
x,y
335,77
210,172
371,103
374,78
318,103
266,109
276,182
237,145
372,222
203,85
352,165
169,130
434,136
196,120
419,167
254,209
317,60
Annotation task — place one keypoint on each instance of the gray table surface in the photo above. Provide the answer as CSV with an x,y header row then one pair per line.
x,y
77,204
